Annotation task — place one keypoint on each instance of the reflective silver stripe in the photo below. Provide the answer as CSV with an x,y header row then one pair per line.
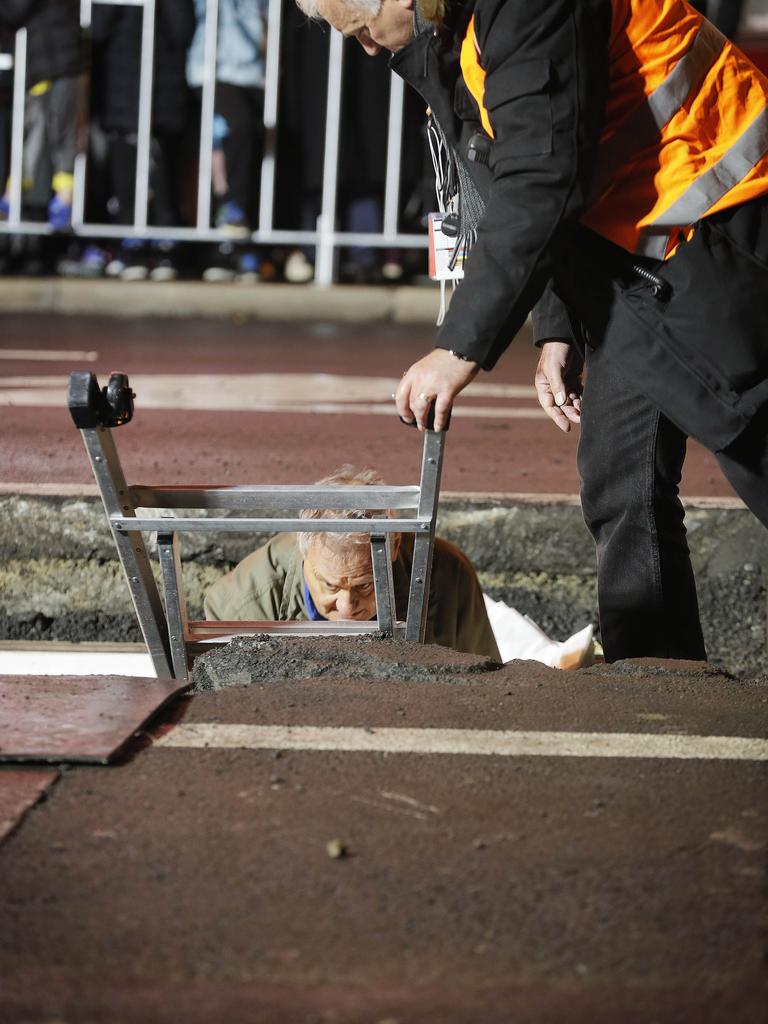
x,y
709,188
652,246
644,126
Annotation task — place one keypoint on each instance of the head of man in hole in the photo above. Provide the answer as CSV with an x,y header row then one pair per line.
x,y
338,570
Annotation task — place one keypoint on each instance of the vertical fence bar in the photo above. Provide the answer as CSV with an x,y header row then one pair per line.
x,y
141,202
206,115
324,259
271,89
394,153
78,190
81,159
17,126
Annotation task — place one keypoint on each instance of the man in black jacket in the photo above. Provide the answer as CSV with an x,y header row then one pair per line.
x,y
674,328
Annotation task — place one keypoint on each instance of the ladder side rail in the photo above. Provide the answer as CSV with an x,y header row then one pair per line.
x,y
175,603
383,582
130,545
423,545
154,524
284,498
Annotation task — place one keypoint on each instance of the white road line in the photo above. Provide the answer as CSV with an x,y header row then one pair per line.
x,y
465,741
48,355
30,398
269,392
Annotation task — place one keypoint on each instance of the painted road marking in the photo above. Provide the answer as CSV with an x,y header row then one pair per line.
x,y
465,741
48,355
269,392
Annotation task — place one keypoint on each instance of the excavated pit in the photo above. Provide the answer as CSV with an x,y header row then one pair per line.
x,y
60,578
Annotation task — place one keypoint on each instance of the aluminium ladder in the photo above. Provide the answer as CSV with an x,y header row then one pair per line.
x,y
173,641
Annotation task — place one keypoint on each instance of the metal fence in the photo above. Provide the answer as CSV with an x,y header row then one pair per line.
x,y
326,239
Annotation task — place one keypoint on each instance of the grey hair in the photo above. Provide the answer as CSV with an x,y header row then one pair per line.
x,y
371,7
345,476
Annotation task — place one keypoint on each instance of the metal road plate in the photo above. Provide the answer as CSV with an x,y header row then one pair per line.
x,y
20,789
76,718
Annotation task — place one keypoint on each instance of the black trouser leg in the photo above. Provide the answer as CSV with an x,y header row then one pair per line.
x,y
630,462
242,109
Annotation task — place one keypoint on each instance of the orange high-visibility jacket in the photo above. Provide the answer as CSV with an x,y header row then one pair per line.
x,y
685,131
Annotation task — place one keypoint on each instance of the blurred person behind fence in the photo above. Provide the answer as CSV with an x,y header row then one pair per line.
x,y
238,126
117,32
56,60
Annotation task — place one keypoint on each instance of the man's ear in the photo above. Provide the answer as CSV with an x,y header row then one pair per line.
x,y
396,538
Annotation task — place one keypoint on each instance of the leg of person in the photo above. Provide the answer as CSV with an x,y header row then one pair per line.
x,y
62,116
630,462
745,465
34,137
243,131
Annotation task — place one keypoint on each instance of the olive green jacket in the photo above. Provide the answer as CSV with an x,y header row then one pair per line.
x,y
268,585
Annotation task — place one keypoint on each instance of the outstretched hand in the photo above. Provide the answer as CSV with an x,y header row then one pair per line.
x,y
558,382
438,378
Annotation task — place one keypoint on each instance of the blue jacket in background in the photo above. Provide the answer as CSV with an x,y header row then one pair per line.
x,y
241,43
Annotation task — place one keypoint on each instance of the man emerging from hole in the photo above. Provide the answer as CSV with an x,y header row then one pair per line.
x,y
329,576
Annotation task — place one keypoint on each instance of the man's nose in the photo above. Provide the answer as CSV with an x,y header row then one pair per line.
x,y
346,603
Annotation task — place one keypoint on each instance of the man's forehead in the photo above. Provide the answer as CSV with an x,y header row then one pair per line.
x,y
350,560
340,15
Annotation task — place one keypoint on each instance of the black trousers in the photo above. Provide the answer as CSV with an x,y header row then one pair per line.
x,y
166,154
630,463
241,109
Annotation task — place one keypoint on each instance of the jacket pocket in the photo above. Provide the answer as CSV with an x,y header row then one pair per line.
x,y
518,102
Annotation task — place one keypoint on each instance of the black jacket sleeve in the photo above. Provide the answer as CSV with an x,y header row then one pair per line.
x,y
545,86
550,318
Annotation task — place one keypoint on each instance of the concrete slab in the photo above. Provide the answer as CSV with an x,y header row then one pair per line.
x,y
20,789
76,718
404,304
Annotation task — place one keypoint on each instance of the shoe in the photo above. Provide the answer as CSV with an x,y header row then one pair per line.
x,y
222,267
164,266
248,267
352,272
298,269
123,256
88,263
59,214
231,219
133,260
93,261
392,268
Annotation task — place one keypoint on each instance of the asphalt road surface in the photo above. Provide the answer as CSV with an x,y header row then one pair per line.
x,y
522,845
221,402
